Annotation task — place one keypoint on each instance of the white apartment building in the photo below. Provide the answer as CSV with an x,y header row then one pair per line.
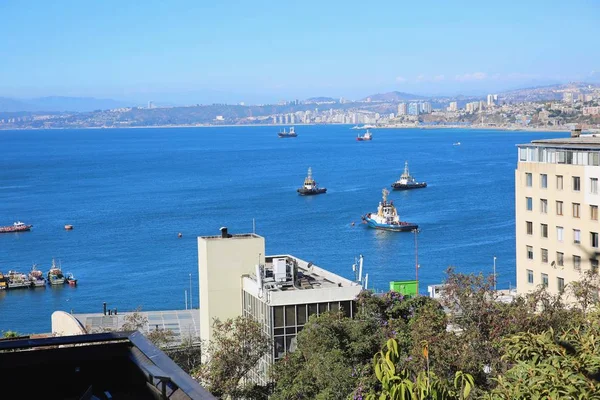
x,y
556,204
280,292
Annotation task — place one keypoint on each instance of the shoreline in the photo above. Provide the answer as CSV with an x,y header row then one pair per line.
x,y
469,127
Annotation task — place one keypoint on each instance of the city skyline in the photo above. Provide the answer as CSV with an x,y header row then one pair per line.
x,y
261,53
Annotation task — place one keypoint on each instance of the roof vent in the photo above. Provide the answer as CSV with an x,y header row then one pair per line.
x,y
224,233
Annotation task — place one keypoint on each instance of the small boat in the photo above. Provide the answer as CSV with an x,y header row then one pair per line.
x,y
36,277
71,279
17,280
366,136
386,217
68,227
3,282
456,144
55,275
15,227
310,186
407,182
284,134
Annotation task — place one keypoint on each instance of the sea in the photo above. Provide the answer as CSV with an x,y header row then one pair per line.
x,y
129,193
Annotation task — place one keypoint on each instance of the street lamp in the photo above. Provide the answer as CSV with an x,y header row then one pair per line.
x,y
494,273
416,231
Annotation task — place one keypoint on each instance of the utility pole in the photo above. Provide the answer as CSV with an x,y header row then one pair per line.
x,y
416,232
191,303
494,273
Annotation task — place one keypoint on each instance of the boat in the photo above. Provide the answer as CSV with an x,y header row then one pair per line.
x,y
68,227
407,182
17,280
387,218
456,144
15,227
310,186
36,277
366,136
284,134
71,279
3,282
55,275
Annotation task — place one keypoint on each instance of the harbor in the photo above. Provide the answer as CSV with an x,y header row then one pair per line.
x,y
35,278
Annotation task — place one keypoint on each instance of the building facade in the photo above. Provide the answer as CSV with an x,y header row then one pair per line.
x,y
556,204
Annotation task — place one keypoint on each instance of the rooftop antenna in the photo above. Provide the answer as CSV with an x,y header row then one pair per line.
x,y
360,267
366,281
354,270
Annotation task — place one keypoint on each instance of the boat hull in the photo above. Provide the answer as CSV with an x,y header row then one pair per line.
x,y
402,227
399,186
311,192
286,136
10,229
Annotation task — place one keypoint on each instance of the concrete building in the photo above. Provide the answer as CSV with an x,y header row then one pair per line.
x,y
556,202
413,109
453,106
426,107
401,109
490,100
280,292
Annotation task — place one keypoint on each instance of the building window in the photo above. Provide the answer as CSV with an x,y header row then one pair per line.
x,y
559,233
529,227
530,276
528,179
530,252
594,239
560,282
543,181
544,206
544,255
576,236
576,207
278,318
577,262
559,182
544,230
594,213
529,202
301,314
559,208
594,265
545,280
576,184
594,185
560,259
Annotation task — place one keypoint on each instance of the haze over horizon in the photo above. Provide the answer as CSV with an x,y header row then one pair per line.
x,y
186,53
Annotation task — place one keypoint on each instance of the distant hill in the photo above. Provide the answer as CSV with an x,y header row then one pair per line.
x,y
59,103
321,100
394,97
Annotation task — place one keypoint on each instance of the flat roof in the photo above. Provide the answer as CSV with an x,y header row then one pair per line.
x,y
309,276
183,323
581,142
231,236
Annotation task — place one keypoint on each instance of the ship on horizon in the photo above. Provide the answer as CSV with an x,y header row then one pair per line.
x,y
284,134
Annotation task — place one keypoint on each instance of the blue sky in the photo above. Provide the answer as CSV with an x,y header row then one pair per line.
x,y
258,51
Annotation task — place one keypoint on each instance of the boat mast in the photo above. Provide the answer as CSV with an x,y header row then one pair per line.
x,y
309,177
405,174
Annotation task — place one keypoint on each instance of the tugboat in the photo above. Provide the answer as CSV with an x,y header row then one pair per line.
x,y
55,275
407,182
36,277
366,136
310,186
387,217
16,227
284,134
71,279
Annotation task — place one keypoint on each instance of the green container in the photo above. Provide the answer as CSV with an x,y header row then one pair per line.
x,y
406,288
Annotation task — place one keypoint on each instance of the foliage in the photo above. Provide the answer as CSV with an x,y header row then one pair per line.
x,y
10,334
552,366
161,338
397,384
188,355
135,321
585,291
235,349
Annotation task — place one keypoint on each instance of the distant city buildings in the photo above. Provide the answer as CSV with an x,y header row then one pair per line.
x,y
453,106
402,109
492,100
568,97
413,109
426,108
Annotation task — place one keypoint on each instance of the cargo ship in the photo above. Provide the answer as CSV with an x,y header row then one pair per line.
x,y
291,133
15,227
366,136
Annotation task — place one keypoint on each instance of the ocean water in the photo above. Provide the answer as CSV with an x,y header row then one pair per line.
x,y
129,193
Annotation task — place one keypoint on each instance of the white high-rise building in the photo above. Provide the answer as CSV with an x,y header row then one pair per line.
x,y
490,100
453,106
426,108
402,109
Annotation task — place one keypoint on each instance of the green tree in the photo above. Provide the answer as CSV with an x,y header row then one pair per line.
x,y
10,334
234,351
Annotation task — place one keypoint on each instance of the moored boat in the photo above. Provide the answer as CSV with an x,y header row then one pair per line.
x,y
310,187
36,277
55,275
3,282
17,280
387,218
366,136
71,279
407,182
15,227
284,134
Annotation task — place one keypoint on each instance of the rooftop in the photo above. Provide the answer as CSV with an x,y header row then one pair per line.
x,y
183,323
590,141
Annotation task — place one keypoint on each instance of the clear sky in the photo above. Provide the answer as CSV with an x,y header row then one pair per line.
x,y
201,51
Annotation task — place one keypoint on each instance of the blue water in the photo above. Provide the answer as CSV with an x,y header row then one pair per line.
x,y
129,192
